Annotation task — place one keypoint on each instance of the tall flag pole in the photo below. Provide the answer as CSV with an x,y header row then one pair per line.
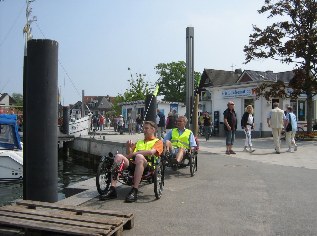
x,y
151,99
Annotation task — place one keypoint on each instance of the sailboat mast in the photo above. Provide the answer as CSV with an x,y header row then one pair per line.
x,y
27,30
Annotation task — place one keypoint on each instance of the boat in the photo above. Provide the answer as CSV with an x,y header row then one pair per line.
x,y
11,153
79,127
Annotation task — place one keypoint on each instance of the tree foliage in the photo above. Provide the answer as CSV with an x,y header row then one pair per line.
x,y
18,98
291,40
116,104
172,81
138,89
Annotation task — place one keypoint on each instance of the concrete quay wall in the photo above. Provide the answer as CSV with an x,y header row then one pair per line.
x,y
98,147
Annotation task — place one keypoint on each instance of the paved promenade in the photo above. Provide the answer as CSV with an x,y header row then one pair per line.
x,y
305,157
260,193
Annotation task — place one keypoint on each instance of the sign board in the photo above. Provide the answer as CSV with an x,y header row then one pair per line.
x,y
239,92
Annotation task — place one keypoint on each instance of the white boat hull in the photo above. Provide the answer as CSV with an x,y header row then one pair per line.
x,y
79,127
11,165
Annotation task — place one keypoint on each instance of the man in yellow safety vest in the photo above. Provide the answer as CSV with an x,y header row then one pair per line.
x,y
140,153
179,140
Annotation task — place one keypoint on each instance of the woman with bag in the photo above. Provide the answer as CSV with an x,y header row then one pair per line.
x,y
291,128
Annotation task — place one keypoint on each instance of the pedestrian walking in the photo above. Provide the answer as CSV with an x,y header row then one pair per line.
x,y
131,125
120,123
230,126
291,128
139,123
247,124
275,121
207,125
160,124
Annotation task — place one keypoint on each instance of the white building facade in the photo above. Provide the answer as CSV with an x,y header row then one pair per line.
x,y
224,86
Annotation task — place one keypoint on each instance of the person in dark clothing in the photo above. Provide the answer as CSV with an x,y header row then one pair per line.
x,y
207,125
230,126
160,124
170,121
138,123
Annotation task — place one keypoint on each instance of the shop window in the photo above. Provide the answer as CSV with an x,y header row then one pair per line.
x,y
299,109
203,107
205,96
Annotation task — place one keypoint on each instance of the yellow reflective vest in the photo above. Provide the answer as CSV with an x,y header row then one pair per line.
x,y
141,145
180,141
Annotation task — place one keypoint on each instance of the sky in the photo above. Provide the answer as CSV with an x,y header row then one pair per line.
x,y
98,40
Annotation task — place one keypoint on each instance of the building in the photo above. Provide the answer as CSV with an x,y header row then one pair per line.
x,y
219,86
7,105
93,104
138,107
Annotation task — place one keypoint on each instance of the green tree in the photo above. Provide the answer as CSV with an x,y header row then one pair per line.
x,y
116,105
172,81
18,98
291,40
138,89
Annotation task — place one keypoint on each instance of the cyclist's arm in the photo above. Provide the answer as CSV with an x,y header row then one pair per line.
x,y
192,141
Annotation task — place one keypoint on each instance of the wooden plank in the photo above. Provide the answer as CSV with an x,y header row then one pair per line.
x,y
33,204
65,215
47,219
52,217
52,227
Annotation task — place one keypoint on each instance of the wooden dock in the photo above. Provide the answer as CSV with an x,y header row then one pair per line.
x,y
42,217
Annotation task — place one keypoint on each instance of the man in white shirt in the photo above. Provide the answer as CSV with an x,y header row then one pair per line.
x,y
275,120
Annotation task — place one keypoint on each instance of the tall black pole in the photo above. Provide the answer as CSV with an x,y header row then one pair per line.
x,y
66,120
40,155
189,74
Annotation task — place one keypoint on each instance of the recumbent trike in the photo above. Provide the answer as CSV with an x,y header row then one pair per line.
x,y
189,159
107,169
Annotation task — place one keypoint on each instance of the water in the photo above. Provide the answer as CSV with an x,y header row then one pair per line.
x,y
71,170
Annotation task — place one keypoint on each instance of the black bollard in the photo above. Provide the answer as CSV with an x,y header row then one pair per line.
x,y
66,120
41,156
150,108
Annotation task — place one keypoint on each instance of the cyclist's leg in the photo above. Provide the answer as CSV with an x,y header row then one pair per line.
x,y
180,154
118,159
140,163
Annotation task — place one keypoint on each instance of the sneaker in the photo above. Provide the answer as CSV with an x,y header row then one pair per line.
x,y
277,152
227,152
295,148
251,150
289,150
232,152
132,196
245,149
110,194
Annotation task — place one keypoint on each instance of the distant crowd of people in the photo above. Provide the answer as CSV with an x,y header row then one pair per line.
x,y
100,122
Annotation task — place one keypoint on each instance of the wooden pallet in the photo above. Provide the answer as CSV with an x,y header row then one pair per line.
x,y
63,219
